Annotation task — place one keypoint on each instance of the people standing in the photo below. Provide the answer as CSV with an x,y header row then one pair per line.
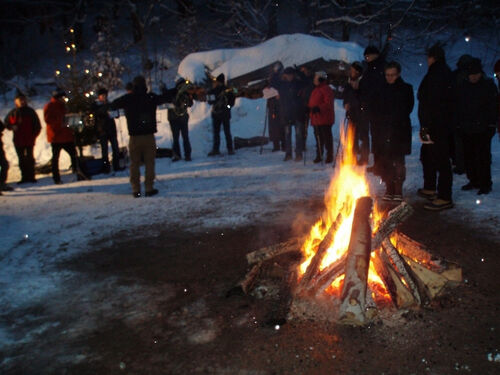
x,y
369,86
477,111
178,118
322,116
106,128
140,111
59,135
289,88
435,113
222,100
356,114
4,165
395,102
306,76
496,69
25,124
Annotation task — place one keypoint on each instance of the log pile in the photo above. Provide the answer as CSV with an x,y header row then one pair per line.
x,y
410,273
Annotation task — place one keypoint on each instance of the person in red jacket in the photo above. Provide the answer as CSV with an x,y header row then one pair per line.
x,y
24,122
322,116
59,135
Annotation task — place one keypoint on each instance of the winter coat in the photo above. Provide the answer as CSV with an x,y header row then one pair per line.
x,y
370,84
477,106
57,130
222,99
140,109
105,124
25,124
352,97
275,126
182,102
307,87
395,103
322,98
291,103
435,101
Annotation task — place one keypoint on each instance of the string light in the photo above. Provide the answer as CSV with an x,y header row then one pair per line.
x,y
87,94
68,49
73,45
68,66
99,74
467,38
58,72
71,30
91,93
87,71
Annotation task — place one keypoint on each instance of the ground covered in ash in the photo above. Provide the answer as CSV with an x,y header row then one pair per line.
x,y
154,301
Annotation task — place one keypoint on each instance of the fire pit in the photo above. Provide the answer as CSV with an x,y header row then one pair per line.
x,y
354,262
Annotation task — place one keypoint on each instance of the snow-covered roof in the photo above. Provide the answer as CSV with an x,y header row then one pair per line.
x,y
290,49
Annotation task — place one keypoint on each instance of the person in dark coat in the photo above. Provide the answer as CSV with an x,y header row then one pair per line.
x,y
291,106
140,111
496,69
4,165
322,116
395,102
459,78
59,135
306,76
356,114
25,124
178,118
477,111
435,113
106,128
222,100
369,86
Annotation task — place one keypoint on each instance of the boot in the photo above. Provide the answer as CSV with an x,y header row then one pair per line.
x,y
389,191
398,191
317,160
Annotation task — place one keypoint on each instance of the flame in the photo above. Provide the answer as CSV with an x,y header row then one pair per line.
x,y
347,185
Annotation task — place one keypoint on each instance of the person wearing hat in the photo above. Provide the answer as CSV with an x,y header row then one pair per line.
x,y
356,114
477,112
222,100
4,165
457,152
25,124
435,113
140,111
178,118
290,107
59,135
322,116
369,86
106,128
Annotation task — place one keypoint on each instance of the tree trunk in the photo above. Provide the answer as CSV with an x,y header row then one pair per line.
x,y
353,297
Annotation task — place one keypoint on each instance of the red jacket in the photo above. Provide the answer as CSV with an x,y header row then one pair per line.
x,y
57,130
322,97
25,124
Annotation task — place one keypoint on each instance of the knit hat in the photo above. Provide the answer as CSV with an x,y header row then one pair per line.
x,y
221,78
437,52
19,94
496,69
357,66
371,50
102,91
289,70
474,66
321,74
463,61
58,93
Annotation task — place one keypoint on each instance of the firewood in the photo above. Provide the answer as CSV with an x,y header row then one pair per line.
x,y
402,267
388,226
353,297
382,271
327,277
402,297
246,284
313,267
432,282
272,251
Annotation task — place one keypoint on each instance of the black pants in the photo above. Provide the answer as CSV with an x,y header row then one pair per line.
x,y
361,139
26,163
377,144
458,151
4,165
56,151
392,168
477,157
324,140
111,138
180,127
436,165
216,125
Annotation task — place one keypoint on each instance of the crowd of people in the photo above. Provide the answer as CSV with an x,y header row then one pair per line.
x,y
458,113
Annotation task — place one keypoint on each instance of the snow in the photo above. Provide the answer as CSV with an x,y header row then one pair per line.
x,y
43,223
290,49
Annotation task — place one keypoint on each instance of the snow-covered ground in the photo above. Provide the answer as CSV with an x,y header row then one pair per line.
x,y
43,223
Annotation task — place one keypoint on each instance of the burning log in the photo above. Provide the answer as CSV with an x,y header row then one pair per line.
x,y
353,297
328,276
402,268
313,268
272,251
388,226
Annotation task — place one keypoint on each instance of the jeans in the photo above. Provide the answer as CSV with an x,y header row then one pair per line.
x,y
180,127
299,140
216,125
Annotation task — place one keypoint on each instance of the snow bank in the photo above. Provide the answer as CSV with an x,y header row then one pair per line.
x,y
290,49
